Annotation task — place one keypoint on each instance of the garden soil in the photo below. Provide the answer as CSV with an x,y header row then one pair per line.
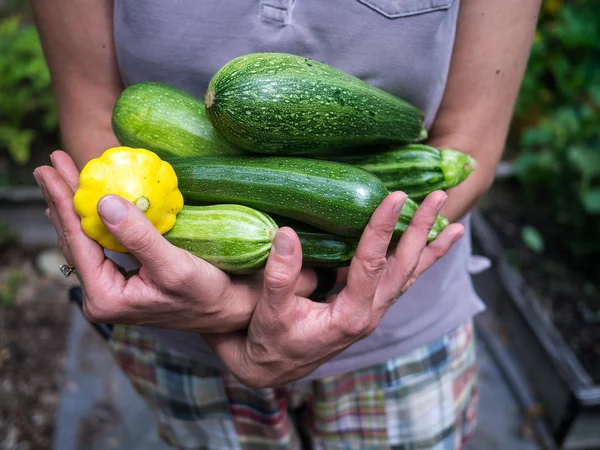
x,y
34,324
570,295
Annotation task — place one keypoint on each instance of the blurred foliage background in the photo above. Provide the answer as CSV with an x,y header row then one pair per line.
x,y
27,110
556,127
554,141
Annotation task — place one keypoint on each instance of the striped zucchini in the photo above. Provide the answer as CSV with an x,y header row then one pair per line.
x,y
234,238
416,169
284,104
167,121
334,197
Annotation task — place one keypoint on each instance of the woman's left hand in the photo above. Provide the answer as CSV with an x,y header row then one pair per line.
x,y
290,336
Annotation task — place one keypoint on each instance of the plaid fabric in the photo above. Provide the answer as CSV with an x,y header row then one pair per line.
x,y
424,400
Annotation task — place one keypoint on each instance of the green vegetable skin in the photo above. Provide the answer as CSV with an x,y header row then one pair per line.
x,y
234,238
320,248
416,169
283,104
167,121
334,197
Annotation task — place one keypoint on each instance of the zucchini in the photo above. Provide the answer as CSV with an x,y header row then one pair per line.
x,y
283,104
235,238
167,121
416,169
320,248
334,197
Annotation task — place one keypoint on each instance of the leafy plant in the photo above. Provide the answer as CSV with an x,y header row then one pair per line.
x,y
27,107
532,238
7,234
10,282
557,121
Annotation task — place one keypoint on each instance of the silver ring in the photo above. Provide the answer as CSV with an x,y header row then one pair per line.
x,y
67,269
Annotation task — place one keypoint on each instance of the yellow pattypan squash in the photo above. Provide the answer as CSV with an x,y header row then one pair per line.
x,y
135,174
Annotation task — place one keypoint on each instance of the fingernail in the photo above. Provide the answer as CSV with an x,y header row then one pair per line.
x,y
397,209
283,244
442,202
52,160
112,209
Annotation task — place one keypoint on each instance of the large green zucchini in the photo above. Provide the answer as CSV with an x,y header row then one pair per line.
x,y
416,169
234,238
334,197
167,121
284,104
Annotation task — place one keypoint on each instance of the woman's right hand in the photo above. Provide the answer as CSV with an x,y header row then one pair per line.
x,y
173,288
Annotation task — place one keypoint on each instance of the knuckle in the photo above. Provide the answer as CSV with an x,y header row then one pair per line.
x,y
254,382
423,223
383,228
372,327
130,301
438,251
260,355
408,273
408,284
356,327
97,311
277,279
139,240
372,265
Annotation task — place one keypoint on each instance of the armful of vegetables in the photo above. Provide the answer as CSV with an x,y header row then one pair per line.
x,y
240,163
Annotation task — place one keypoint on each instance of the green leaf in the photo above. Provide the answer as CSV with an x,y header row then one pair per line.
x,y
537,167
594,91
26,98
539,136
586,160
17,142
532,239
591,200
7,234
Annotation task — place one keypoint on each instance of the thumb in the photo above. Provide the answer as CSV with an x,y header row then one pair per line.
x,y
132,228
282,269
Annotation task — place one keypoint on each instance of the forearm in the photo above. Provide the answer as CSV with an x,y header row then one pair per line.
x,y
78,43
493,40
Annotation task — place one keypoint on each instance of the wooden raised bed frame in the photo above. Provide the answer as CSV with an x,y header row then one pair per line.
x,y
566,392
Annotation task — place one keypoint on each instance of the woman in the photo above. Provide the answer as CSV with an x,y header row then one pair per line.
x,y
221,360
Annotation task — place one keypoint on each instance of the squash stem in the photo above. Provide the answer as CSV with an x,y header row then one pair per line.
x,y
142,203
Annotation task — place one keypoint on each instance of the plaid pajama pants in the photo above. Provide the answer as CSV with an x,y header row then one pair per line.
x,y
426,399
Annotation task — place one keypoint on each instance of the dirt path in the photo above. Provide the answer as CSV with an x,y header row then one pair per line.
x,y
34,322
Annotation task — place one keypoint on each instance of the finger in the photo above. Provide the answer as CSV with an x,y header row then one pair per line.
x,y
369,261
435,250
63,163
167,264
87,254
62,243
307,282
404,261
282,271
51,214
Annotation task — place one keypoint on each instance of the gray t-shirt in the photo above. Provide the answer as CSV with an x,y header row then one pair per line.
x,y
401,46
